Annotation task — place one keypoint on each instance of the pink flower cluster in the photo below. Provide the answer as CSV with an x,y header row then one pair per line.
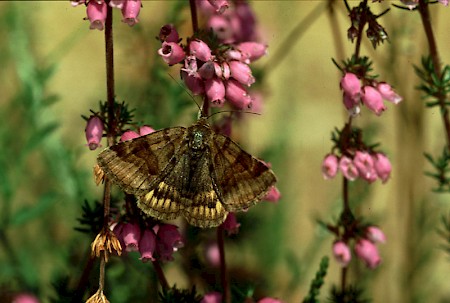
x,y
364,165
157,243
370,95
216,297
221,74
96,11
365,248
230,23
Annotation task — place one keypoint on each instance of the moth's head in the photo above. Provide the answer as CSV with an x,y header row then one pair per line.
x,y
198,134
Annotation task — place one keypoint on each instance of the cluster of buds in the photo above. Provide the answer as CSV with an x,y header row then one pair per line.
x,y
371,95
220,74
361,14
159,242
365,248
216,297
364,165
96,11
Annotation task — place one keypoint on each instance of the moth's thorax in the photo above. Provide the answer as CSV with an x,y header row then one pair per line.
x,y
198,135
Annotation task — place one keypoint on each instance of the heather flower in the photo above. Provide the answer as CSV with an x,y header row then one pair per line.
x,y
168,241
94,132
382,167
129,135
130,11
96,13
145,130
374,234
169,33
219,5
200,50
251,51
329,166
342,253
243,22
351,85
131,233
347,168
25,298
237,95
241,72
212,297
207,70
273,195
171,53
147,245
368,253
190,66
231,225
215,91
194,83
388,93
364,163
352,104
373,100
226,71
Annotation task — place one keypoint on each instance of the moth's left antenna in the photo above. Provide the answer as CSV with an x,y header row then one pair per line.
x,y
187,92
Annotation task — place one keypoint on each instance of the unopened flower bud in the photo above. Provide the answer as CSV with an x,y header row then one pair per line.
x,y
168,240
194,83
373,100
200,50
94,132
364,163
342,253
207,70
374,234
237,95
329,166
251,51
351,85
145,130
131,233
215,91
382,166
212,297
347,168
241,72
129,135
273,195
388,93
368,253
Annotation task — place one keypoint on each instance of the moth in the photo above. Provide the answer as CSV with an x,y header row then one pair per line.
x,y
194,172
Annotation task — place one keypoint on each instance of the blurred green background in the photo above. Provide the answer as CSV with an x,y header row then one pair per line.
x,y
52,71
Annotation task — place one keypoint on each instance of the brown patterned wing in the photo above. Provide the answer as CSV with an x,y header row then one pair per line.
x,y
242,180
186,188
135,165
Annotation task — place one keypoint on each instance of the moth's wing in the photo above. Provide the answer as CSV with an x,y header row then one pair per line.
x,y
185,188
135,164
241,179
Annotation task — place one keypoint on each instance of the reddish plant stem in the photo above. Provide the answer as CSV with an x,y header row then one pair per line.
x,y
160,274
223,268
434,54
194,16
